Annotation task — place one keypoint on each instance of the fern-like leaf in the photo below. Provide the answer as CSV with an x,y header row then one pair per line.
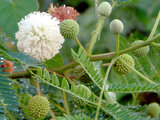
x,y
88,66
133,88
119,113
63,85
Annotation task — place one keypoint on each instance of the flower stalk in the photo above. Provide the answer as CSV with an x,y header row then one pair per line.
x,y
95,34
103,87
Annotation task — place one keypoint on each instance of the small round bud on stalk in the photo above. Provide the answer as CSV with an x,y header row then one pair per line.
x,y
69,29
104,9
116,26
79,89
153,109
140,52
38,106
120,67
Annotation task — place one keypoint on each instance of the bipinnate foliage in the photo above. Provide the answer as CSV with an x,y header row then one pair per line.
x,y
88,66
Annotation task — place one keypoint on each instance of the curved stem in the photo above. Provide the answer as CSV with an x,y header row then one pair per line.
x,y
117,45
106,55
78,42
137,72
155,26
95,34
103,87
38,88
155,44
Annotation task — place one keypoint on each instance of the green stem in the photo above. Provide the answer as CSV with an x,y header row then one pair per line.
x,y
66,103
113,3
95,34
92,57
155,44
155,26
134,98
77,41
103,87
152,66
110,55
56,105
139,64
117,45
137,72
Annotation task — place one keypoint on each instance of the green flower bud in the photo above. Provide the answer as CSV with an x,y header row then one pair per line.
x,y
38,106
69,28
81,90
120,67
140,52
116,26
104,9
153,109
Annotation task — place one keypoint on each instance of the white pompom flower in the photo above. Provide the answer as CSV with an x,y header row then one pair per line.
x,y
39,36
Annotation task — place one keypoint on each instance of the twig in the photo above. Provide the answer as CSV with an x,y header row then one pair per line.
x,y
66,102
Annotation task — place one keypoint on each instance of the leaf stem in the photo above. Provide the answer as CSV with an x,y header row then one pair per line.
x,y
110,55
56,105
117,44
103,87
155,26
155,44
95,34
38,88
97,57
66,102
78,42
137,72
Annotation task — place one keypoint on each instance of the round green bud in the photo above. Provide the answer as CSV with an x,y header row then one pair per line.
x,y
38,106
120,67
153,109
104,9
85,78
140,52
79,89
69,28
116,26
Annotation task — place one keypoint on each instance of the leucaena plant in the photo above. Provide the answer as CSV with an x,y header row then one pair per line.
x,y
36,84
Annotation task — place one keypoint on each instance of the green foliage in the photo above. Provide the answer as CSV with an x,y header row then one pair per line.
x,y
9,104
63,85
119,113
7,56
12,11
133,88
88,66
55,61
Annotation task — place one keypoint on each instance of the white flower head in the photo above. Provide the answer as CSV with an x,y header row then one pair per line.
x,y
39,36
